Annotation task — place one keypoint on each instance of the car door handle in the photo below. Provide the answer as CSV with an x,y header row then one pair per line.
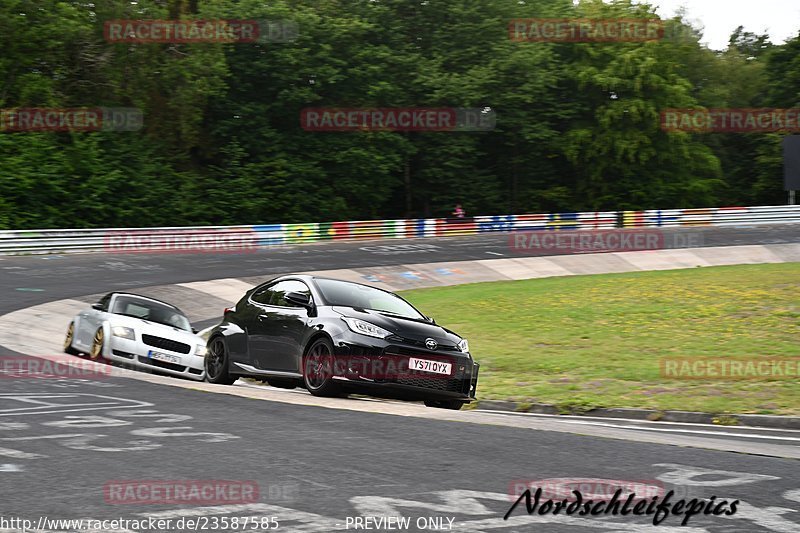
x,y
263,317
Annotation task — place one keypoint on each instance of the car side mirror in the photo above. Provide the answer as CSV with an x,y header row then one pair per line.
x,y
97,306
195,331
298,298
431,320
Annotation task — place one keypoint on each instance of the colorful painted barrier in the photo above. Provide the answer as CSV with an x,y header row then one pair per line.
x,y
215,239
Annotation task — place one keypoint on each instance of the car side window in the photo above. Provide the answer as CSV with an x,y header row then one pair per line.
x,y
263,296
280,289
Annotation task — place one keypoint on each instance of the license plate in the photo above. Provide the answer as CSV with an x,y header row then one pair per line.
x,y
425,365
167,358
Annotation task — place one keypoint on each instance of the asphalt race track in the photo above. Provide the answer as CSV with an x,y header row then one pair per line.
x,y
68,276
64,442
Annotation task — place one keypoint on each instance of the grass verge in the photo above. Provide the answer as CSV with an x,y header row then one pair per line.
x,y
597,341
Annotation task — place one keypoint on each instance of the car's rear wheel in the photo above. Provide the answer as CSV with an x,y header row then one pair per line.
x,y
68,340
455,405
318,369
216,363
98,344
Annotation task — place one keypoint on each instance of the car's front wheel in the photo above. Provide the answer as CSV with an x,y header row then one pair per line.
x,y
68,340
216,363
98,344
318,369
455,405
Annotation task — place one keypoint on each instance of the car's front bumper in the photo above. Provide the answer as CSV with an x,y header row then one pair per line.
x,y
381,367
134,352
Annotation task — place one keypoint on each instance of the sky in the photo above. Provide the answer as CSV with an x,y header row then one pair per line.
x,y
779,18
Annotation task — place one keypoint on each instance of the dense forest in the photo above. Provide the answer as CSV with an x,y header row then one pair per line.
x,y
577,124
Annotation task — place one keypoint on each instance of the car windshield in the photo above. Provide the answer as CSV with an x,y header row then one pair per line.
x,y
349,294
151,311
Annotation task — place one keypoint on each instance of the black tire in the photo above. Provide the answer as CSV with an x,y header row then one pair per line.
x,y
98,344
318,369
216,363
68,340
282,383
455,405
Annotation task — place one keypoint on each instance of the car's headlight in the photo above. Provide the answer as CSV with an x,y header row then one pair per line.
x,y
201,350
463,345
365,328
123,332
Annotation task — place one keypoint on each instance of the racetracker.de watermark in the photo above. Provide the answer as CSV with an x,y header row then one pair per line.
x,y
197,492
594,241
730,368
397,119
731,120
52,367
200,31
75,119
562,488
391,367
181,242
585,30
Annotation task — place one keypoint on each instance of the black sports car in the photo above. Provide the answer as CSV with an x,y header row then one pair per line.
x,y
335,337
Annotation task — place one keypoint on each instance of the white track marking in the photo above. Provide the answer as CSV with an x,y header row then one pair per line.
x,y
632,420
450,502
45,437
149,413
82,443
767,517
684,475
90,421
793,495
169,432
694,431
13,426
73,402
17,454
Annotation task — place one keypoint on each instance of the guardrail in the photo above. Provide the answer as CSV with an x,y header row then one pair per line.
x,y
248,238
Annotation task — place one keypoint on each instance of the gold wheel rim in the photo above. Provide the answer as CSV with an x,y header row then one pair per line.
x,y
68,340
97,345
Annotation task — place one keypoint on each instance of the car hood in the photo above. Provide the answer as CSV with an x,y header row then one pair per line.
x,y
406,328
158,330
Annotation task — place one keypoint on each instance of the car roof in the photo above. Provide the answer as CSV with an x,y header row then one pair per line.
x,y
310,277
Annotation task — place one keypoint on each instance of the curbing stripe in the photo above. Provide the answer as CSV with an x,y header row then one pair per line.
x,y
526,267
228,289
665,260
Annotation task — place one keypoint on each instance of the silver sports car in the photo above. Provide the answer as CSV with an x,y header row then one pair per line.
x,y
138,331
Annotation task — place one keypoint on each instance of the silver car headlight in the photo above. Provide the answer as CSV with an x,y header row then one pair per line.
x,y
201,350
365,328
123,332
463,345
